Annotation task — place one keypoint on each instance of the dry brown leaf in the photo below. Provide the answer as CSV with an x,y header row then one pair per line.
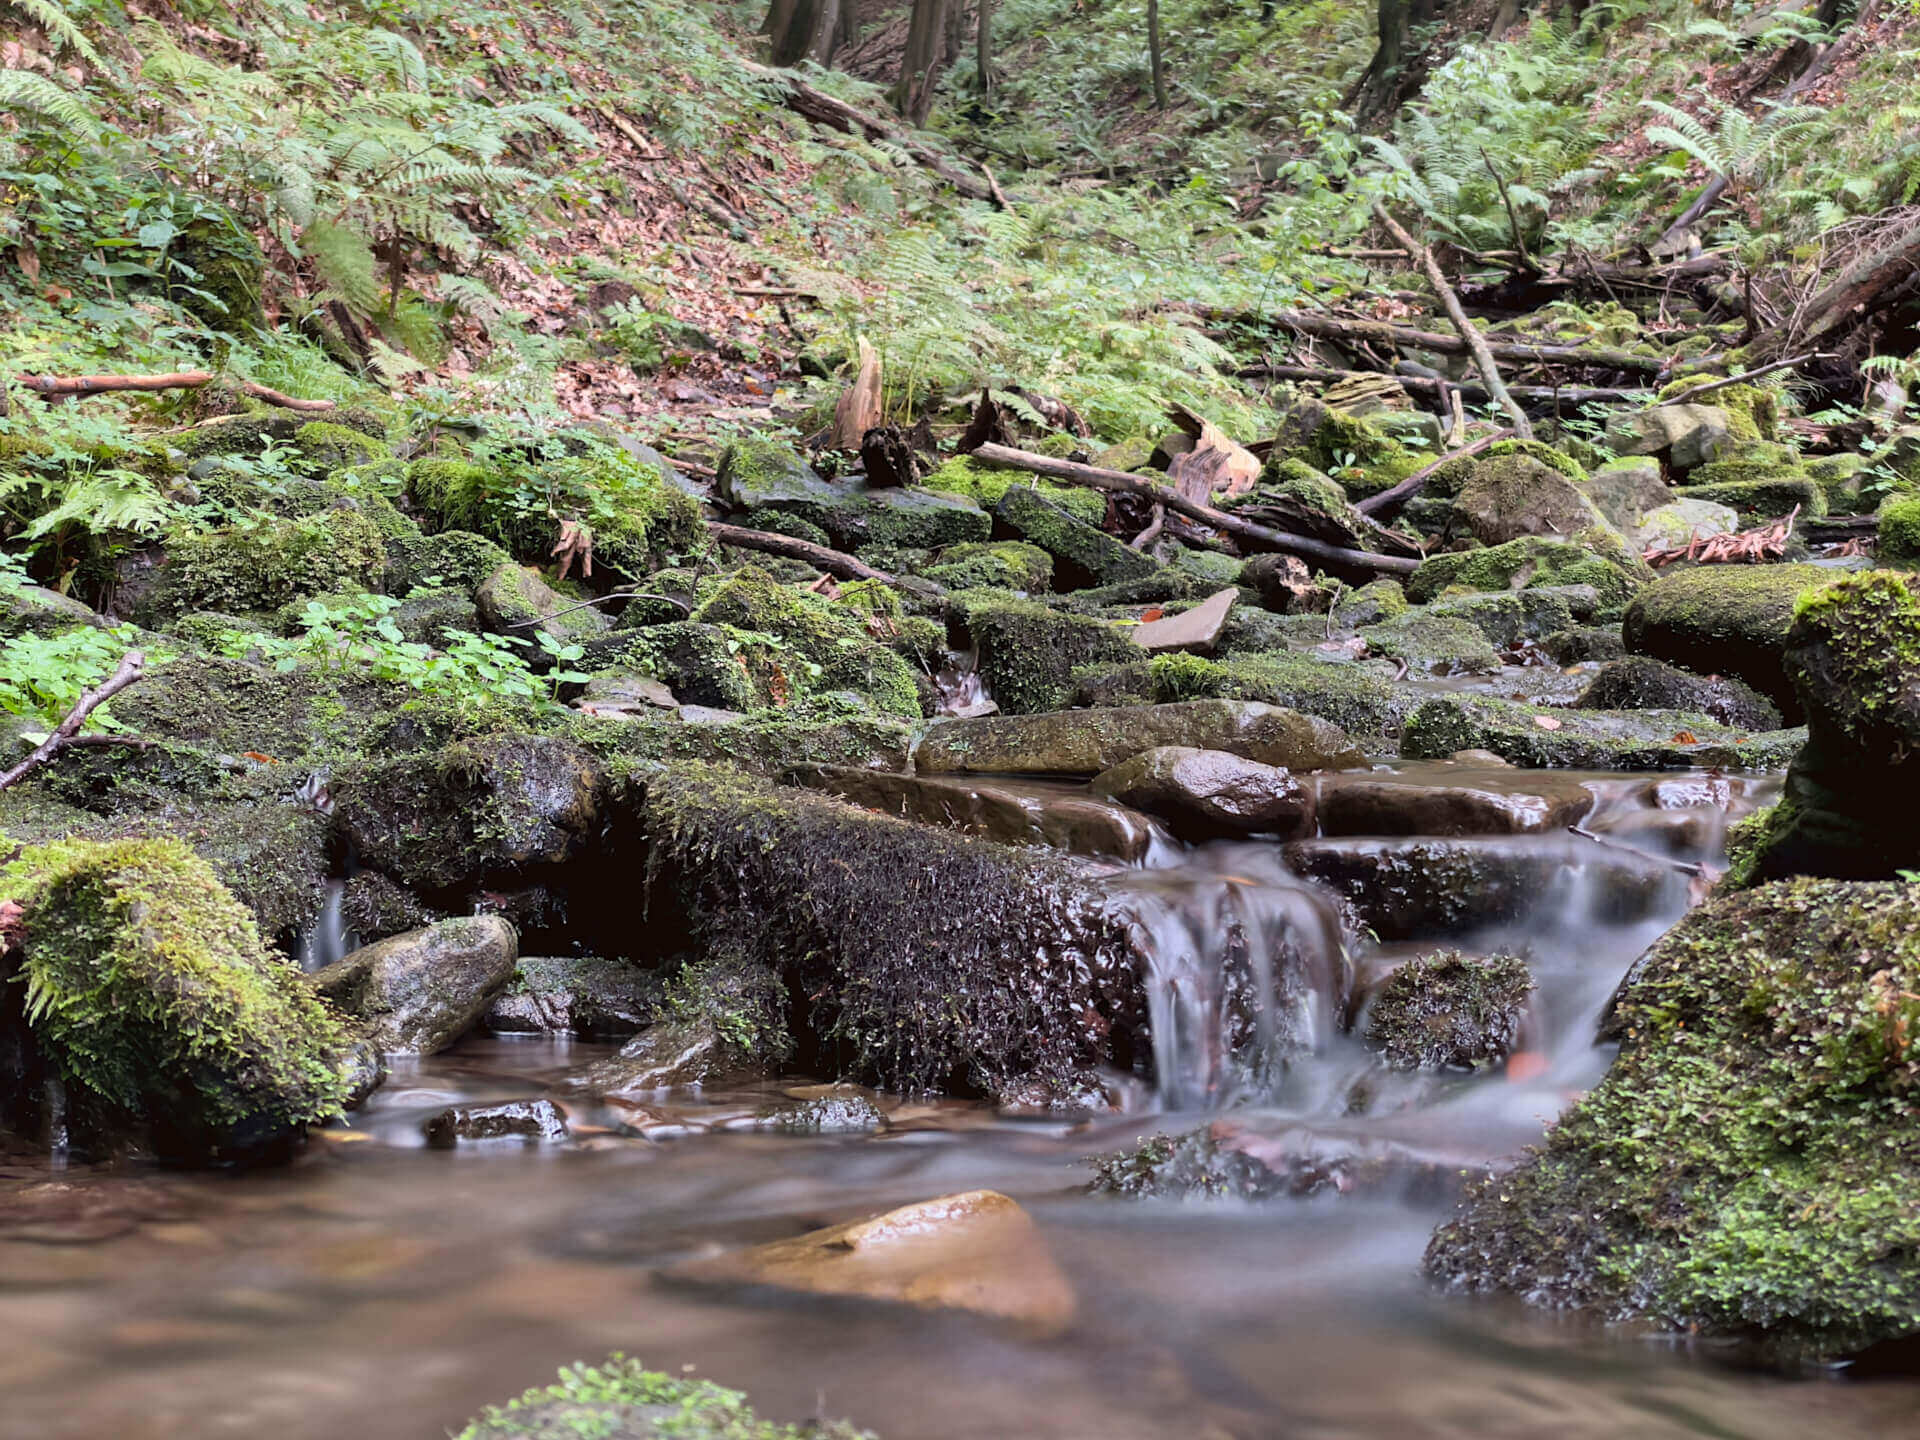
x,y
1686,737
575,543
861,408
1546,722
28,259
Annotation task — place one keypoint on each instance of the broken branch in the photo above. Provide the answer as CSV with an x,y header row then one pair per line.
x,y
78,387
834,562
132,666
1384,506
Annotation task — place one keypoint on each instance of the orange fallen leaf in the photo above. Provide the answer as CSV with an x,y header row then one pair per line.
x,y
256,755
1546,722
1524,1065
1151,614
1686,737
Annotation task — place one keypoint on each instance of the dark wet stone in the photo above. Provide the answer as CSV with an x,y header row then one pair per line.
x,y
566,995
1589,739
1368,805
1640,682
850,1114
513,1119
1207,794
1085,742
1448,1011
1725,620
996,810
1258,1160
419,992
1586,642
1286,587
1416,889
668,1054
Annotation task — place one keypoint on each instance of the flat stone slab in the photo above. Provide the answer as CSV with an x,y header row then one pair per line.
x,y
1015,815
1206,794
1533,803
1195,629
1085,742
1590,739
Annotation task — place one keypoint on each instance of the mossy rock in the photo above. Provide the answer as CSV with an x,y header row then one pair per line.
x,y
228,271
1363,458
1640,682
1505,497
1433,644
1510,619
1754,412
985,487
1725,620
763,742
1898,541
1377,600
1027,652
1518,564
148,985
1001,565
1363,703
232,706
260,567
326,446
1768,499
1749,1167
817,647
1589,739
764,478
1083,554
697,662
1449,1011
620,1400
457,558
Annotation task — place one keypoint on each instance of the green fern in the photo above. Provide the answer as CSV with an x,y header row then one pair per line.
x,y
23,92
61,28
1738,145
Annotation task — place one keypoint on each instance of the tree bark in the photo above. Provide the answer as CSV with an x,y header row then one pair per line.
x,y
925,58
983,48
78,387
1153,55
1388,75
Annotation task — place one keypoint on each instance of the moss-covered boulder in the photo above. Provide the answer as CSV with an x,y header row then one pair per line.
x,y
1507,496
230,707
762,742
1750,1166
621,1400
1682,436
1640,682
1851,808
1432,644
1449,1011
1898,541
824,648
517,603
419,992
1083,554
1625,489
761,476
148,987
580,995
1357,698
1724,620
1028,976
1027,653
1365,458
1612,570
1000,565
985,486
260,566
1589,739
1757,499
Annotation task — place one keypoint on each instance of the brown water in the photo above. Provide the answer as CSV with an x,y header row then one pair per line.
x,y
379,1289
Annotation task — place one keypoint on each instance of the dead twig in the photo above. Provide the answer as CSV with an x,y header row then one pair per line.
x,y
1749,547
1692,393
1387,503
1685,867
131,668
78,387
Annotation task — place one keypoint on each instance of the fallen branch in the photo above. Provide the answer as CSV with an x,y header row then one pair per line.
x,y
1388,503
606,599
834,562
1421,385
1154,526
1099,478
132,667
823,109
1694,392
1483,360
78,387
1685,867
1384,332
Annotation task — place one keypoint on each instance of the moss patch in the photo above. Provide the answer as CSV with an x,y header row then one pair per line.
x,y
1028,653
1527,562
1449,1011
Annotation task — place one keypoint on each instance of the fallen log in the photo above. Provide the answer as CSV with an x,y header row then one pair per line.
x,y
1120,481
1384,332
823,109
1857,292
834,562
1476,344
1388,503
78,387
131,668
1421,385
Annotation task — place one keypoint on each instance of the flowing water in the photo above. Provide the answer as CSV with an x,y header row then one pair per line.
x,y
378,1288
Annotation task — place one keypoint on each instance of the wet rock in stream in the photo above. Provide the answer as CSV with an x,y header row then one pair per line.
x,y
419,992
1449,1011
1531,802
1642,683
540,1120
1205,794
1725,620
1590,739
574,995
1261,1159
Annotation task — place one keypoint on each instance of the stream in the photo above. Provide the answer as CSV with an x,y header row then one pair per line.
x,y
380,1289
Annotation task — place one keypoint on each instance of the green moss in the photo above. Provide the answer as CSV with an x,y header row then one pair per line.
x,y
1433,644
228,270
1003,565
781,522
1724,620
1365,460
260,566
458,558
743,1000
1525,562
1753,411
1028,653
829,649
148,984
1449,1011
622,1401
326,447
984,486
1291,477
1899,532
762,742
1084,554
1760,499
1588,739
1353,697
1750,1165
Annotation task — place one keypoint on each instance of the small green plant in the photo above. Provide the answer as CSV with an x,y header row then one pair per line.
x,y
43,676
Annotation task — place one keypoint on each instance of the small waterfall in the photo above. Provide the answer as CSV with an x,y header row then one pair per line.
x,y
1247,966
59,1141
326,939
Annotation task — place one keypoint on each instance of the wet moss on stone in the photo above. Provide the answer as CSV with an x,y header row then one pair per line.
x,y
1449,1011
1899,532
1028,653
1724,620
1750,1165
1364,704
1530,561
984,486
260,566
1000,565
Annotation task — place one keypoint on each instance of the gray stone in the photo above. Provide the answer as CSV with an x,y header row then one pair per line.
x,y
1510,496
1205,794
1196,629
1085,742
1627,488
1530,803
419,992
1681,522
32,609
622,692
514,601
512,1120
1682,435
433,617
575,995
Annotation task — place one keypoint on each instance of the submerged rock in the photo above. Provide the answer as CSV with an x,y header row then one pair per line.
x,y
1589,739
977,1251
419,992
1725,620
148,989
574,995
1255,1160
725,1014
1447,1011
510,1120
1750,1166
1643,683
1206,794
1085,742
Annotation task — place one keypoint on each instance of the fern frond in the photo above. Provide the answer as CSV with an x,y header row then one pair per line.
x,y
24,92
61,28
343,261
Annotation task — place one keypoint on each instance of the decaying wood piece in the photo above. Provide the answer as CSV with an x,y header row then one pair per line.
x,y
823,109
1852,296
987,427
78,387
1476,344
834,562
1217,463
1388,503
130,670
1256,536
861,408
887,456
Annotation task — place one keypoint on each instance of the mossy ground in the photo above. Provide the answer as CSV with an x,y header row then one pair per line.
x,y
1750,1166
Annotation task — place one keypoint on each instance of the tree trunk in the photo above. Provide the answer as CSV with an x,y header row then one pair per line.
x,y
923,61
1153,55
808,30
1391,75
983,48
